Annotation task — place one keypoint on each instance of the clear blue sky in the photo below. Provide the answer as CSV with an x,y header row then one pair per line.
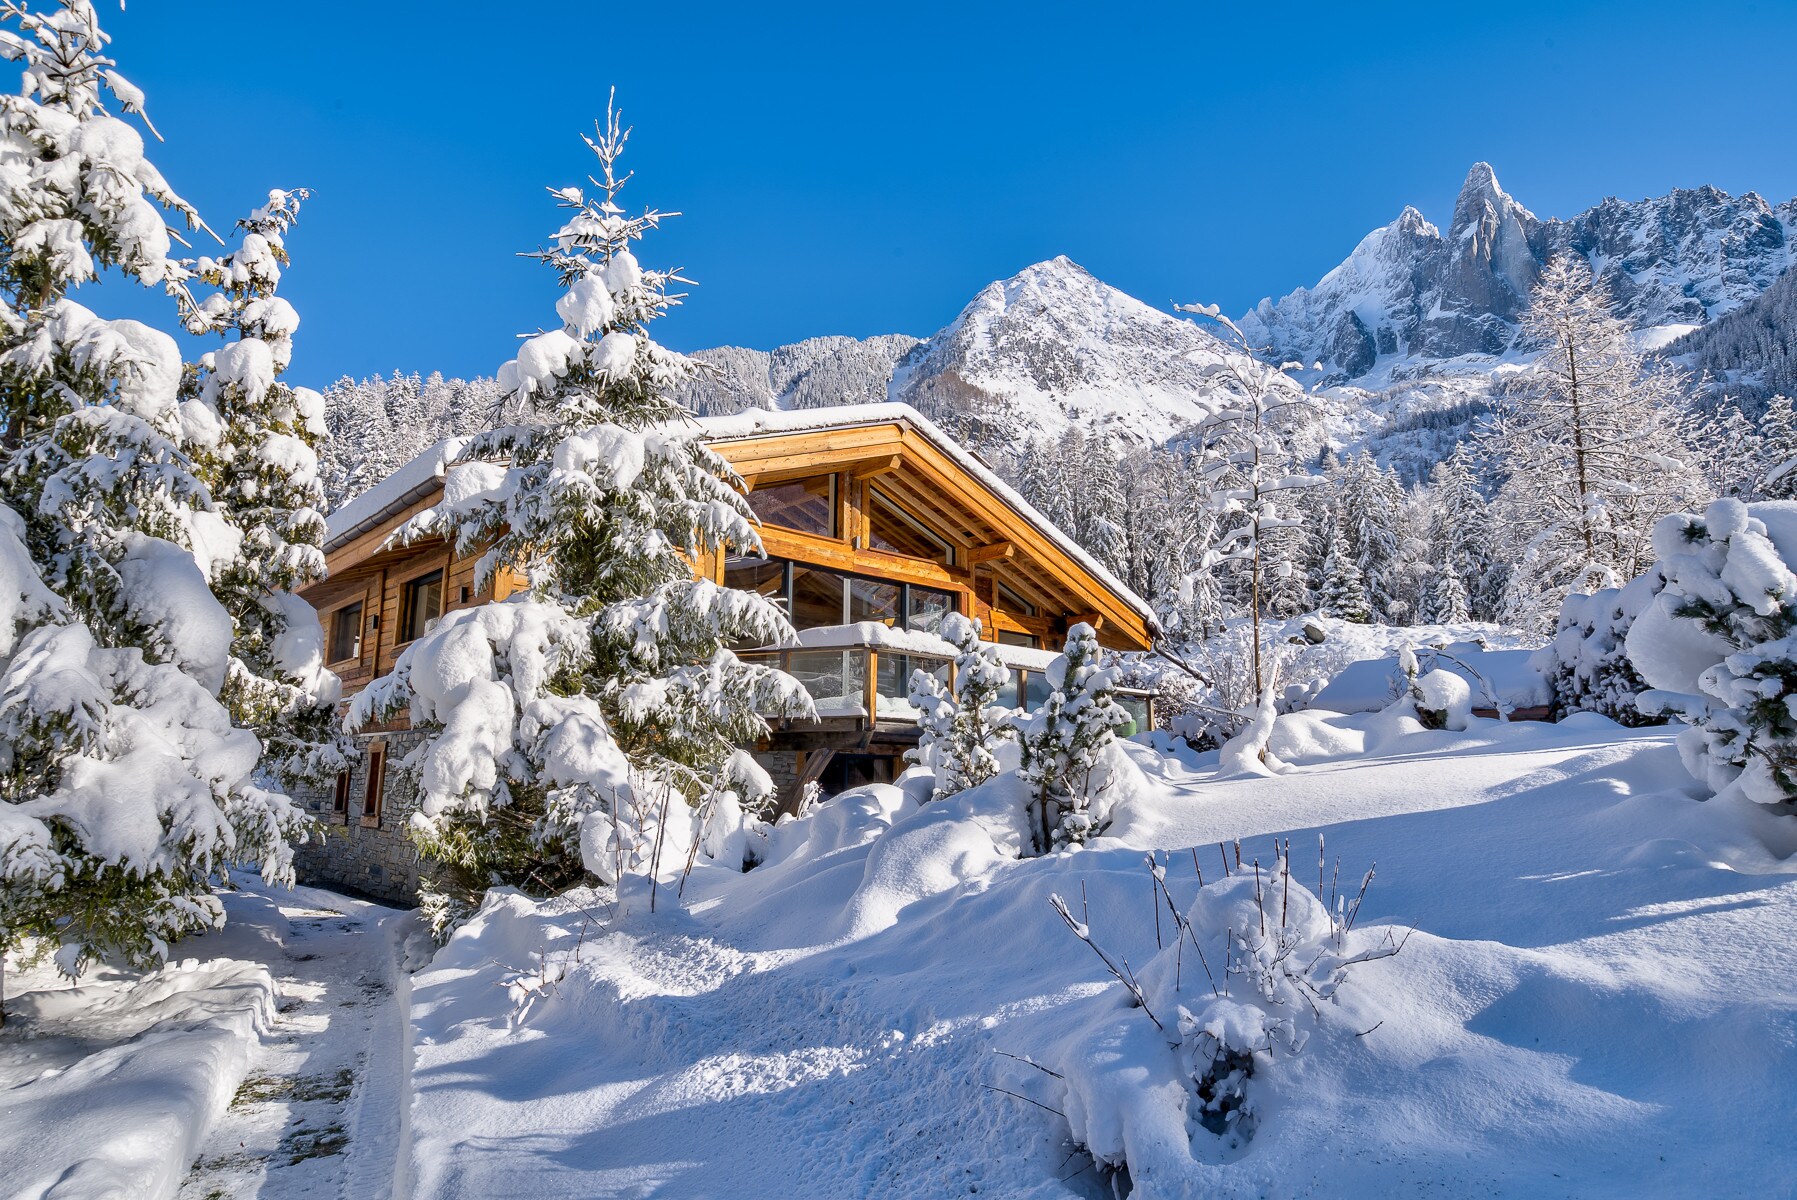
x,y
858,169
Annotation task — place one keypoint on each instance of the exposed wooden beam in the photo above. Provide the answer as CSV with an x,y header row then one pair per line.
x,y
990,551
875,466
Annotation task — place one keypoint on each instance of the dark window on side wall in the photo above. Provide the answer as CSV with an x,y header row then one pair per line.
x,y
421,603
373,794
346,633
340,800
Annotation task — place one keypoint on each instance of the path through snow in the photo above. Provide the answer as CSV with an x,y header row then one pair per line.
x,y
319,1113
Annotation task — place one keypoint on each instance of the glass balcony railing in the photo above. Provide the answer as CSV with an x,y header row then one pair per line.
x,y
846,682
849,681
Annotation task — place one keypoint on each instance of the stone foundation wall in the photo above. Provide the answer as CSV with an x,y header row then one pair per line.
x,y
374,859
783,767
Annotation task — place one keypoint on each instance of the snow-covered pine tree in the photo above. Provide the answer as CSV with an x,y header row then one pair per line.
x,y
589,723
254,439
1063,744
1725,447
127,787
962,725
1458,538
1247,454
1589,442
1341,590
1777,448
1371,502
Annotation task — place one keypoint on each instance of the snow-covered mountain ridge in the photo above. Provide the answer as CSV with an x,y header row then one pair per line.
x,y
1411,327
1410,296
1028,356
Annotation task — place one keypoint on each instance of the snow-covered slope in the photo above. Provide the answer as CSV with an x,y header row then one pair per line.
x,y
1052,346
1596,1001
1410,295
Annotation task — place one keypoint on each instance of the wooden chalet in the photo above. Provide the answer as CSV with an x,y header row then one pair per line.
x,y
875,526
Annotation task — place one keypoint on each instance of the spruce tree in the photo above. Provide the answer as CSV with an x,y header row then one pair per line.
x,y
1371,503
128,789
255,447
1458,537
1341,593
589,723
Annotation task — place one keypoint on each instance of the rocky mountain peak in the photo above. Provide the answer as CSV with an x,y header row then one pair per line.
x,y
1406,295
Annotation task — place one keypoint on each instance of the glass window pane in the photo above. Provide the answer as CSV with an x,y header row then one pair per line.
x,y
892,683
763,576
897,532
423,605
807,505
871,601
346,633
927,609
1035,689
1137,708
836,679
1008,695
1011,602
817,597
1007,638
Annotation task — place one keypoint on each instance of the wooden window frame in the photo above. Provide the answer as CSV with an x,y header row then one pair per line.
x,y
330,628
404,606
374,790
344,788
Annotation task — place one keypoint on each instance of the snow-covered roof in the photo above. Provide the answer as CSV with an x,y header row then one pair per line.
x,y
755,423
424,474
398,491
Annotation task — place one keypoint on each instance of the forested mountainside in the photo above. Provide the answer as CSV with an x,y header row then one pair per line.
x,y
815,373
1752,352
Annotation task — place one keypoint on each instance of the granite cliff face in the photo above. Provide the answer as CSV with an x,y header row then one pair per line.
x,y
1409,294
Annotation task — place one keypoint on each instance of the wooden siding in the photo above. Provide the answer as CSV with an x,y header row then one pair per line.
x,y
378,582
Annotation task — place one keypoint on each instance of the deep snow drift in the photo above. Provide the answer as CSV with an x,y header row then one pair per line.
x,y
1597,998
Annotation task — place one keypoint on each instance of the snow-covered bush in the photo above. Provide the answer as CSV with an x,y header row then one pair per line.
x,y
589,724
128,787
1253,965
1717,648
1440,699
1064,767
1587,662
963,729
